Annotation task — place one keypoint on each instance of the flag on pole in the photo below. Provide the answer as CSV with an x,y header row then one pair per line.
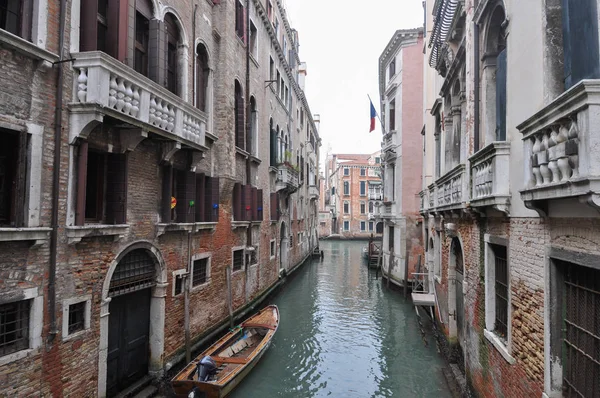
x,y
373,116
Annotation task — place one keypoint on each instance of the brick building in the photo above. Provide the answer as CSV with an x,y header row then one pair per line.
x,y
352,187
510,207
401,94
176,167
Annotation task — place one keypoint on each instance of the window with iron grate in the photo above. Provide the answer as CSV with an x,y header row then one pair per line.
x,y
200,272
501,290
14,326
238,259
76,317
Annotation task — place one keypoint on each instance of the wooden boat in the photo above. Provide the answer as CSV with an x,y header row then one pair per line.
x,y
234,355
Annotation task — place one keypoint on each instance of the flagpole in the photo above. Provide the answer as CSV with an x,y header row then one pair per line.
x,y
380,122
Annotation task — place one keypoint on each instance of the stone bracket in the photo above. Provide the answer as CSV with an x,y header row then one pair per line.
x,y
539,206
169,149
197,157
131,138
76,233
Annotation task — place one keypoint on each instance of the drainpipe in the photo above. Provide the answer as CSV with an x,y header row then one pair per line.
x,y
194,81
56,178
477,86
248,128
186,300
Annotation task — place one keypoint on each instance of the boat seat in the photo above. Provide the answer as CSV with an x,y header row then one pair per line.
x,y
258,325
240,361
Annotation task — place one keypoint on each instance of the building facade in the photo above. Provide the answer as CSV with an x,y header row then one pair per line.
x,y
511,220
401,94
143,164
351,187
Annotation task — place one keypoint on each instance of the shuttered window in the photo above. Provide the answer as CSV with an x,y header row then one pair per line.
x,y
274,206
239,116
171,56
189,197
247,203
580,41
102,28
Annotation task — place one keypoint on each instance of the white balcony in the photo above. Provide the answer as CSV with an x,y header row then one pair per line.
x,y
450,190
108,87
287,178
371,216
385,211
424,201
375,196
490,176
561,149
313,192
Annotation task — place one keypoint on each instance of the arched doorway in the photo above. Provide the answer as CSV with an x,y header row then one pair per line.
x,y
283,247
132,319
458,265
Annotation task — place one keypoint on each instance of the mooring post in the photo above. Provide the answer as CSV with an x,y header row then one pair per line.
x,y
229,297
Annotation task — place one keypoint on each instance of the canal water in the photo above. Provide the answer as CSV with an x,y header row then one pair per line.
x,y
343,334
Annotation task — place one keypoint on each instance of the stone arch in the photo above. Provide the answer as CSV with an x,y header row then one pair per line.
x,y
157,313
202,77
183,35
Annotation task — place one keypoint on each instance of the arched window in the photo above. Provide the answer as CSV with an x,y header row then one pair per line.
x,y
239,116
171,55
202,75
273,143
252,139
370,207
143,15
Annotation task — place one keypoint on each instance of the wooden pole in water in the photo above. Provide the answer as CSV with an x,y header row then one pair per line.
x,y
229,297
406,275
389,270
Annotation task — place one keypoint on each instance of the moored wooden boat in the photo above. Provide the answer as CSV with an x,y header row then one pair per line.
x,y
234,355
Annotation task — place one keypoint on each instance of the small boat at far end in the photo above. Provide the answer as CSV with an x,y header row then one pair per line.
x,y
219,369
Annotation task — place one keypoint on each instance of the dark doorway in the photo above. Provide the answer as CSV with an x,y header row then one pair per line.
x,y
458,258
379,228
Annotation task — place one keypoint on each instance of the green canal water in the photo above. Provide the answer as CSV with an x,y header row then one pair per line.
x,y
343,334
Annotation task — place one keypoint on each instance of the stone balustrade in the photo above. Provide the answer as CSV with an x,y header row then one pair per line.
x,y
106,86
313,192
490,168
561,149
287,178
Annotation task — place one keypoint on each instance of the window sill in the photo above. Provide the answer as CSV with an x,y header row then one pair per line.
x,y
15,356
163,228
255,159
499,344
76,233
202,226
256,223
200,287
274,221
240,224
38,235
26,47
75,335
253,58
242,152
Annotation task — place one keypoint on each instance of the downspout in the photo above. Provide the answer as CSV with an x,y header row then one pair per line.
x,y
186,301
477,86
248,128
56,177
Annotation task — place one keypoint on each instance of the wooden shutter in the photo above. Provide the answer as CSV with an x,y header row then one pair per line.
x,y
89,26
236,202
259,205
247,209
254,204
82,157
273,147
580,41
275,212
116,188
166,193
501,96
215,199
201,198
186,195
116,36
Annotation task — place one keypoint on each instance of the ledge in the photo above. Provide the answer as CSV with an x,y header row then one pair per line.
x,y
240,224
199,226
76,233
255,159
38,235
26,47
499,344
163,228
256,223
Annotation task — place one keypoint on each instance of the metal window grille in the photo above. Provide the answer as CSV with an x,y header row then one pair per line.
x,y
14,327
200,272
134,272
238,259
76,317
501,287
581,331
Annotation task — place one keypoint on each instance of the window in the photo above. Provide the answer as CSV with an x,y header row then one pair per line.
x,y
275,210
247,203
392,69
13,177
14,326
273,249
253,40
392,115
271,69
171,47
363,188
346,208
189,197
102,187
240,19
371,207
291,240
363,226
238,259
239,116
270,10
76,317
299,238
501,290
178,282
346,225
370,225
202,75
200,271
276,27
346,171
363,172
391,239
142,34
377,160
362,208
346,188
15,17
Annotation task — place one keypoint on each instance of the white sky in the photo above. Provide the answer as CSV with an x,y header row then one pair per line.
x,y
341,41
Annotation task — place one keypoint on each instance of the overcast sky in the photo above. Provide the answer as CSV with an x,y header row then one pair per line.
x,y
341,41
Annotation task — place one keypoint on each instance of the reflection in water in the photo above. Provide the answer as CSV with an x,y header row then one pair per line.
x,y
343,334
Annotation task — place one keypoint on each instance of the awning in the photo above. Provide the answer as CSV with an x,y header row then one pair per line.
x,y
441,28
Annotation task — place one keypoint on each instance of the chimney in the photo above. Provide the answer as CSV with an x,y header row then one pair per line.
x,y
302,75
317,120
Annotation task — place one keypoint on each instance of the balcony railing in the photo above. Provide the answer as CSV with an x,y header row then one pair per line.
x,y
107,86
561,147
313,192
424,200
388,141
450,191
375,196
490,176
385,211
287,178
